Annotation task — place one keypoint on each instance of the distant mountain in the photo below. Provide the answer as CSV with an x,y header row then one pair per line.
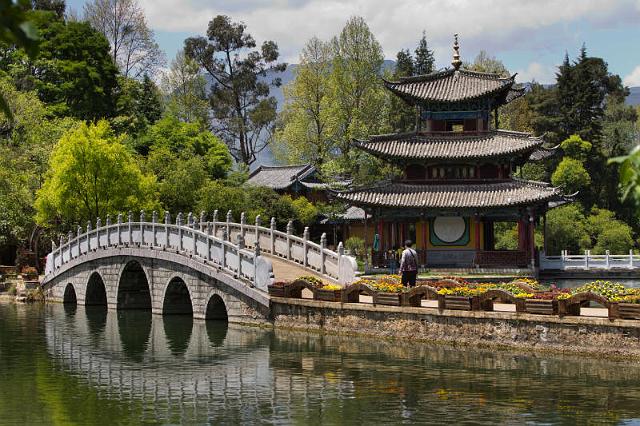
x,y
634,96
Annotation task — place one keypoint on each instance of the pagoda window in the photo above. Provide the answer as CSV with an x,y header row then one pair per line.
x,y
415,172
455,125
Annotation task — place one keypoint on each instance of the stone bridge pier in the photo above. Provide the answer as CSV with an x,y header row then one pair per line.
x,y
162,286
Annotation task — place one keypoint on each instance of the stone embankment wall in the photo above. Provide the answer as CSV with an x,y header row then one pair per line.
x,y
585,335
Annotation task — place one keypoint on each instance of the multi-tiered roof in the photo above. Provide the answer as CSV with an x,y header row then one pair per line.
x,y
467,98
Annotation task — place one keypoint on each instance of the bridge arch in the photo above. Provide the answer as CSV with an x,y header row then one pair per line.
x,y
134,290
216,308
96,291
69,295
177,298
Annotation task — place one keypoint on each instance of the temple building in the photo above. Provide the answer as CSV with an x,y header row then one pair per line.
x,y
458,174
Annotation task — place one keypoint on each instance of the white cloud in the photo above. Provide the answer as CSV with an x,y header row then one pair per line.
x,y
633,79
492,25
536,71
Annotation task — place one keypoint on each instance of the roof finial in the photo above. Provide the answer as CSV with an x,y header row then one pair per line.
x,y
456,54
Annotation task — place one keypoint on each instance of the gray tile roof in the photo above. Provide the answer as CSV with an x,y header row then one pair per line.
x,y
450,85
542,153
279,177
424,146
481,195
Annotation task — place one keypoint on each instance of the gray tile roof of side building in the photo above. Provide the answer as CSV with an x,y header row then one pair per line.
x,y
514,192
451,85
280,177
424,146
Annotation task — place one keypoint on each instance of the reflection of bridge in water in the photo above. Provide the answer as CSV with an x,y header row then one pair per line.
x,y
180,370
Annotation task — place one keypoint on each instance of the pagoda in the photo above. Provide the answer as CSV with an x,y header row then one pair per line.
x,y
458,174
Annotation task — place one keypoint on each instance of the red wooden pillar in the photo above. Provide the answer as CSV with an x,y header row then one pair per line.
x,y
532,238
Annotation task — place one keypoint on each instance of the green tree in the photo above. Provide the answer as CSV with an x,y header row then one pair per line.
x,y
402,115
244,112
424,62
91,175
302,135
576,148
484,62
16,30
571,176
185,90
74,74
566,230
180,179
609,233
151,101
305,211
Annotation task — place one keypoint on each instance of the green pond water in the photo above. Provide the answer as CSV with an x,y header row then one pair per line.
x,y
62,365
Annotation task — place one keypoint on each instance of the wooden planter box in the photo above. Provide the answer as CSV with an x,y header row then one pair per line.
x,y
461,303
629,310
391,299
541,307
328,295
276,290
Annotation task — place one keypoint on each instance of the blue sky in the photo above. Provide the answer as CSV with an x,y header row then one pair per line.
x,y
529,36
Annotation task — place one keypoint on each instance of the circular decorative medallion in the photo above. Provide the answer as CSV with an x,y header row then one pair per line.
x,y
449,229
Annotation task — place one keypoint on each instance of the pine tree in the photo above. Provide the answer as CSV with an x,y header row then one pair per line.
x,y
150,103
424,61
402,116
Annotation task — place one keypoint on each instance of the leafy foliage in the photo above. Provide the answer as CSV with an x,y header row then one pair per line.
x,y
571,176
91,175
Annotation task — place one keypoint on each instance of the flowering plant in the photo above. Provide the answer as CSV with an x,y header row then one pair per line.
x,y
331,287
314,281
606,289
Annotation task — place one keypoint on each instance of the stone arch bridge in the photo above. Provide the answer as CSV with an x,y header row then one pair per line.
x,y
210,269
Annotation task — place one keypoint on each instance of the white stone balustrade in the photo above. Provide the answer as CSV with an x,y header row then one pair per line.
x,y
588,261
234,247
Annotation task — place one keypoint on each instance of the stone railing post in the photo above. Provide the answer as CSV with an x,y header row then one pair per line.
x,y
143,219
88,236
258,223
323,246
229,218
130,230
167,222
119,222
79,235
203,216
108,225
631,258
61,249
305,250
179,224
154,220
240,248
208,231
70,238
225,238
256,255
606,259
215,219
586,258
192,225
273,236
289,240
243,222
98,226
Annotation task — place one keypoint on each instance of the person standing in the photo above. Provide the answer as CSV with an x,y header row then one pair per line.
x,y
409,265
392,257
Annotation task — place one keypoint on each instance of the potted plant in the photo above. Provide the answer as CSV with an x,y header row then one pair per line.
x,y
388,291
541,303
626,306
328,293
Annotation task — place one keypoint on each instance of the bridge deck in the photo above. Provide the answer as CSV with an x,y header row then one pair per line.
x,y
284,270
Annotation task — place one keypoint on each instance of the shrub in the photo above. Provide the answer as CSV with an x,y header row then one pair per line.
x,y
355,245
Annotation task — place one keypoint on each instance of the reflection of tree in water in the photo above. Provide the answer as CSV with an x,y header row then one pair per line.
x,y
135,329
441,381
217,331
178,331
